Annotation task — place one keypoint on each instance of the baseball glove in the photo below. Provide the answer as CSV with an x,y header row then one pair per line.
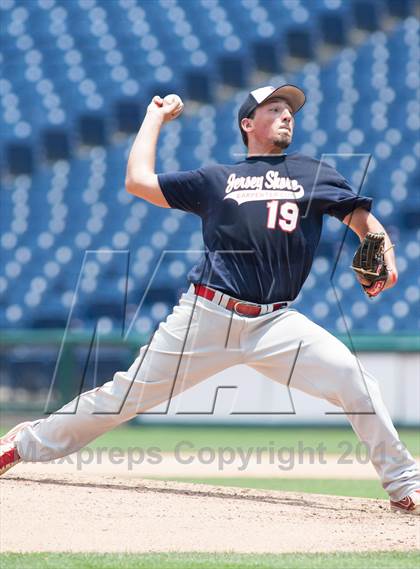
x,y
369,263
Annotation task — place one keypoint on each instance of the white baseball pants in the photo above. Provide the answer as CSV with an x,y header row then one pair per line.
x,y
200,339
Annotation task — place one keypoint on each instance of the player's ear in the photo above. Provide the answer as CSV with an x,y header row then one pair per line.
x,y
247,124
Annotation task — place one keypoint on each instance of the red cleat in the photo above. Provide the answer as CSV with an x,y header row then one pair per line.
x,y
8,453
8,457
408,505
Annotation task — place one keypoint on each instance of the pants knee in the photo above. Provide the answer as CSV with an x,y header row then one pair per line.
x,y
353,388
357,398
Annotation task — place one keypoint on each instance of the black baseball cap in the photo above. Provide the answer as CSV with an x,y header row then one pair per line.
x,y
293,95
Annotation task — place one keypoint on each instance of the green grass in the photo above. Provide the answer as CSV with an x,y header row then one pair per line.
x,y
166,438
374,560
356,488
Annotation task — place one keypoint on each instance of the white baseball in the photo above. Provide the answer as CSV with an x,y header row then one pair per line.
x,y
170,99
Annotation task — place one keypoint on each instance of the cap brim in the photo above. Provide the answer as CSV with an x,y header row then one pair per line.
x,y
293,95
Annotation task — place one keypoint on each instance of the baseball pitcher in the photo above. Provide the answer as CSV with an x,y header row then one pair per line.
x,y
261,222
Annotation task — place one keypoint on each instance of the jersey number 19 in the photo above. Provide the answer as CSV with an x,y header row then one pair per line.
x,y
287,217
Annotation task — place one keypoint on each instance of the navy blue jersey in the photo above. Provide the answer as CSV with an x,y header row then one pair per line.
x,y
261,220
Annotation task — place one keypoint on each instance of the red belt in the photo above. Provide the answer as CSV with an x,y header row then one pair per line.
x,y
239,306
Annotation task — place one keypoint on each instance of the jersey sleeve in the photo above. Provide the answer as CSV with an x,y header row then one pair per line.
x,y
185,190
339,197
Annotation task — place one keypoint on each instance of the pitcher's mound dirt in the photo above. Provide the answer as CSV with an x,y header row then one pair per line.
x,y
109,514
